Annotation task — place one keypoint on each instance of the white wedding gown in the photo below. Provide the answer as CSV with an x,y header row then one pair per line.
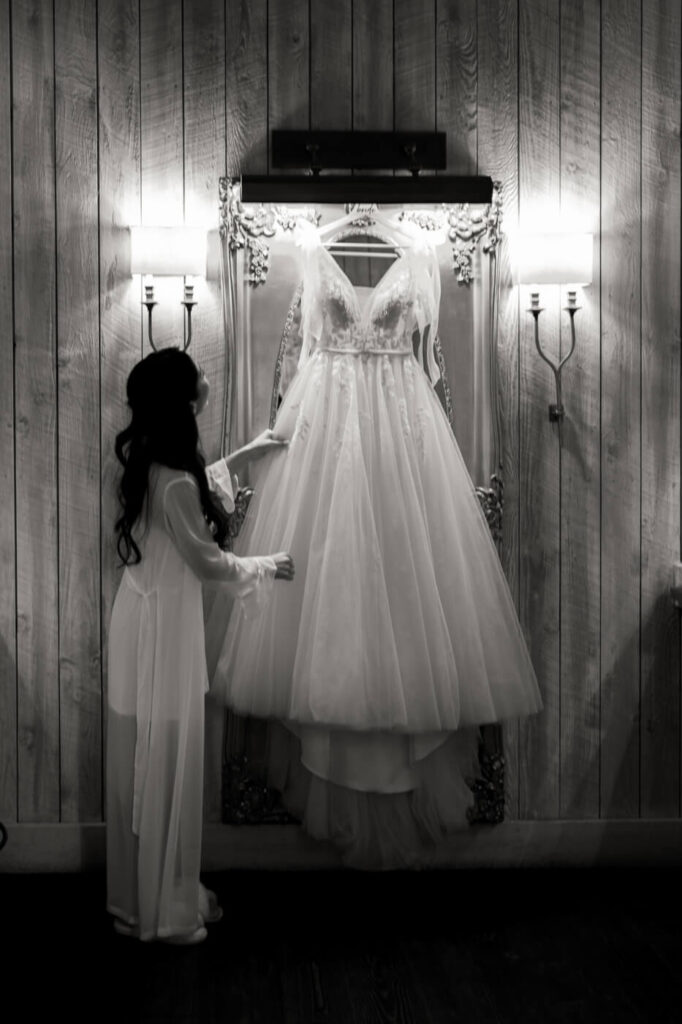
x,y
398,636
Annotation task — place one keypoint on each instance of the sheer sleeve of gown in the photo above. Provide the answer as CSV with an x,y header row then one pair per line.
x,y
307,241
190,534
426,271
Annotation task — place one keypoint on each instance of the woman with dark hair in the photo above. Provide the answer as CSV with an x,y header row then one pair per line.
x,y
169,535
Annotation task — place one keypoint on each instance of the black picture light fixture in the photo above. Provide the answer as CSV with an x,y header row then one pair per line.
x,y
312,154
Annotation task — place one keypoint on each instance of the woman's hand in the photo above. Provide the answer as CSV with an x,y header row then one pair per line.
x,y
256,449
285,566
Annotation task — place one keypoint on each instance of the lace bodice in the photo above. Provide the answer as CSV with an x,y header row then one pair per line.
x,y
405,300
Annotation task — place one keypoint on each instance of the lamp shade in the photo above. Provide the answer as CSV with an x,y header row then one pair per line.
x,y
559,258
170,252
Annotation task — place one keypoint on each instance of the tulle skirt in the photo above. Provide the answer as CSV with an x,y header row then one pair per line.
x,y
377,829
398,637
400,618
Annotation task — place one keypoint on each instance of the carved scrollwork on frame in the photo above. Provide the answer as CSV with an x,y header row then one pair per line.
x,y
247,799
445,384
488,787
492,503
236,518
284,344
465,226
249,227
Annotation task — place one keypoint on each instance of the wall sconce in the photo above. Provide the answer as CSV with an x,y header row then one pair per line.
x,y
168,252
563,258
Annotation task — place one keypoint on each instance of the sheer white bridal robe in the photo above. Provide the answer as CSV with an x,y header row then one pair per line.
x,y
156,687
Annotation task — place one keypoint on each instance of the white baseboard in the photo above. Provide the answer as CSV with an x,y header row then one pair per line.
x,y
513,844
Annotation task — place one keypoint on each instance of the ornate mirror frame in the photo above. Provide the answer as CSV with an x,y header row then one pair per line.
x,y
249,228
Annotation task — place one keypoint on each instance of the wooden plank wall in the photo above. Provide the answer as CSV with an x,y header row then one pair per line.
x,y
580,525
130,109
8,593
78,403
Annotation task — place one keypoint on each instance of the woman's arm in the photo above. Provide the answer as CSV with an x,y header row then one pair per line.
x,y
263,444
190,534
222,475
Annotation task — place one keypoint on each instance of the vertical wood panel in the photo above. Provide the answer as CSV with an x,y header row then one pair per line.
x,y
372,65
498,156
36,440
288,66
331,59
580,511
331,66
204,135
204,159
78,403
247,151
120,313
457,82
8,653
539,445
247,86
620,399
415,65
247,114
660,644
161,141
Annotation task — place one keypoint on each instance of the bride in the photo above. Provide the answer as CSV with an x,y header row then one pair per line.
x,y
398,637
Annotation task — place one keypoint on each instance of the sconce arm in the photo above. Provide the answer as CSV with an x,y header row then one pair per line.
x,y
188,306
552,365
150,306
572,310
556,412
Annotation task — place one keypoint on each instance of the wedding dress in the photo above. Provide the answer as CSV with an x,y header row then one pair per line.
x,y
398,637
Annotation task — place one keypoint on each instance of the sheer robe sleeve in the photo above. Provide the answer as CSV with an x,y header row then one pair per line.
x,y
189,532
223,484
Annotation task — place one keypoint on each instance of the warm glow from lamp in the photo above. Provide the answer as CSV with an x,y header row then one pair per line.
x,y
555,258
168,252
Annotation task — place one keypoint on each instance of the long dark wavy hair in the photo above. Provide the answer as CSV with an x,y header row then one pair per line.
x,y
161,389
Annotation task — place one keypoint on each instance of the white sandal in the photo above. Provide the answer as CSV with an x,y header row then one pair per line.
x,y
193,939
209,910
122,928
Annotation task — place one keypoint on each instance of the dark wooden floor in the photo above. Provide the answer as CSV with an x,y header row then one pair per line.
x,y
491,947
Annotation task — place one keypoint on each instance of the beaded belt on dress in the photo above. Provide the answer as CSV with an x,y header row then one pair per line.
x,y
367,351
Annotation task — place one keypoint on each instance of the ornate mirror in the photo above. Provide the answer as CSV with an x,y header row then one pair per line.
x,y
261,282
